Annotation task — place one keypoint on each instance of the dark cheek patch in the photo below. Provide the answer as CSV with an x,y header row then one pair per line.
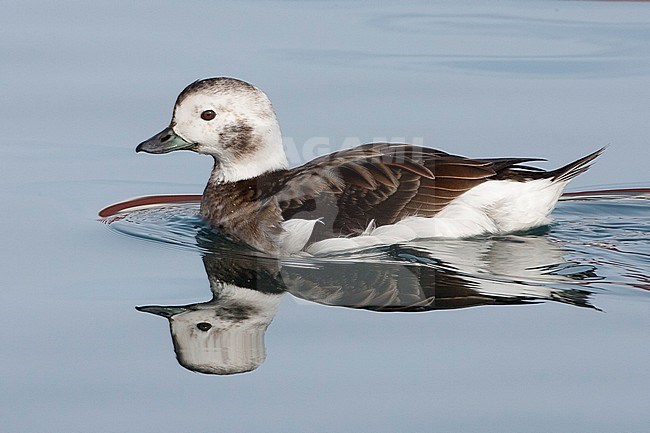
x,y
239,139
236,313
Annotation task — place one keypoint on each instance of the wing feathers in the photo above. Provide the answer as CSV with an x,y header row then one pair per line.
x,y
358,175
461,171
387,182
383,175
413,167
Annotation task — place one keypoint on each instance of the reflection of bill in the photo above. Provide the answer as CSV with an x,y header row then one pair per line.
x,y
226,334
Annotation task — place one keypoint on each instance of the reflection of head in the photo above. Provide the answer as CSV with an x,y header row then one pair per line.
x,y
224,336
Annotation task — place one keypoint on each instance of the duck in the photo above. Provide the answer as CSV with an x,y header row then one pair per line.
x,y
373,194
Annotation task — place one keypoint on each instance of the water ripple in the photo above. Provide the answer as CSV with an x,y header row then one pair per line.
x,y
598,244
508,44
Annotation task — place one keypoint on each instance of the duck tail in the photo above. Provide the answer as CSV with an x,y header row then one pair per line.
x,y
573,169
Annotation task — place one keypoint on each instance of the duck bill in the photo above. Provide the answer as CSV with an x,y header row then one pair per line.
x,y
164,142
162,311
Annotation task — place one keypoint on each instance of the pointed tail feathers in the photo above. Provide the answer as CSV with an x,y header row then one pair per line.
x,y
571,170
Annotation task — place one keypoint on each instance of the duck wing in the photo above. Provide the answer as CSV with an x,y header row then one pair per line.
x,y
383,182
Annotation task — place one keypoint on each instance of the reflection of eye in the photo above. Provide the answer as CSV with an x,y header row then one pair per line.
x,y
208,115
203,326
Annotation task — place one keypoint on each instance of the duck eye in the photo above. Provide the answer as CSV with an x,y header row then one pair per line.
x,y
203,326
208,115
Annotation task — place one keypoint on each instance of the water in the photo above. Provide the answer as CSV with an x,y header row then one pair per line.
x,y
599,244
563,345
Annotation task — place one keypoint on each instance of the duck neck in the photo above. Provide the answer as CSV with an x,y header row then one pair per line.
x,y
268,156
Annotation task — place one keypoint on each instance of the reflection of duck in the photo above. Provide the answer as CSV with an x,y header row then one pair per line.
x,y
389,192
226,334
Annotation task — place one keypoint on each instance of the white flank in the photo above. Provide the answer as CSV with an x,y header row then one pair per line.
x,y
296,234
493,207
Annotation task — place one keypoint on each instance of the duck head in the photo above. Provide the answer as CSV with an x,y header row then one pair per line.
x,y
228,119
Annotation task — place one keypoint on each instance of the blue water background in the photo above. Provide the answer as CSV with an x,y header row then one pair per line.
x,y
84,82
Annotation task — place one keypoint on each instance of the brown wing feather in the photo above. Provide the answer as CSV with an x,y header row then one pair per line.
x,y
385,183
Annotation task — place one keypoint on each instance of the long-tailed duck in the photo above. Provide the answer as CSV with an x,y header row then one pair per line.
x,y
377,193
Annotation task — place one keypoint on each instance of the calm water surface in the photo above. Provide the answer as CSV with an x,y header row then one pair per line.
x,y
544,331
